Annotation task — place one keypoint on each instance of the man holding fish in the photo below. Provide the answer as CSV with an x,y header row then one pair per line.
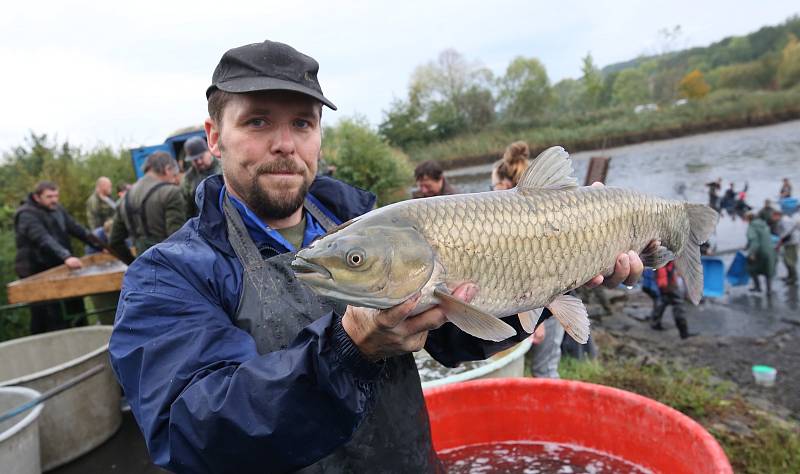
x,y
231,363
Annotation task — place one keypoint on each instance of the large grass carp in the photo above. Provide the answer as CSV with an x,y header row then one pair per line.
x,y
524,248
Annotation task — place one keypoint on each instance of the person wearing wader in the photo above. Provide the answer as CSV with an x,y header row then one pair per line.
x,y
229,363
671,293
152,210
761,254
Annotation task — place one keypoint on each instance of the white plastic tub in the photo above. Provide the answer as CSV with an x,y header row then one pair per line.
x,y
509,363
80,418
19,436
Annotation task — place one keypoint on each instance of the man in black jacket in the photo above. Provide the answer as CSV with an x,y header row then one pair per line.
x,y
42,230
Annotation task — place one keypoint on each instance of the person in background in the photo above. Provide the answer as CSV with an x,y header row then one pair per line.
x,y
714,187
100,207
650,286
507,171
671,291
431,181
760,252
545,353
122,188
151,211
42,230
765,214
502,178
786,189
728,201
204,164
788,231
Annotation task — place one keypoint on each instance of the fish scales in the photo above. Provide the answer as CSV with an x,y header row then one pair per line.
x,y
524,248
520,248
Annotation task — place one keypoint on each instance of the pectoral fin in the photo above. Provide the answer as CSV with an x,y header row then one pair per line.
x,y
528,319
571,313
472,320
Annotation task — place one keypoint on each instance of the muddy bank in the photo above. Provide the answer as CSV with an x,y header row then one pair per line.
x,y
596,143
734,333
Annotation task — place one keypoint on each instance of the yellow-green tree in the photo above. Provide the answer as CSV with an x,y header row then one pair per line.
x,y
694,85
630,88
789,67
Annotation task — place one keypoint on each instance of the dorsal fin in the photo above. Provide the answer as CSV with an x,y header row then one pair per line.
x,y
552,169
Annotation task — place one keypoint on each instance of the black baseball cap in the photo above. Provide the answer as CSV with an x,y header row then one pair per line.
x,y
267,66
195,148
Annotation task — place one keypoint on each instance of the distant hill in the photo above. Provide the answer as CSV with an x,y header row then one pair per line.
x,y
731,50
738,81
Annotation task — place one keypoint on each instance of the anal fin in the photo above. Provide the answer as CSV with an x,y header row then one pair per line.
x,y
571,313
658,257
472,320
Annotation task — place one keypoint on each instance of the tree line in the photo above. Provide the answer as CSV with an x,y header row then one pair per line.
x,y
452,95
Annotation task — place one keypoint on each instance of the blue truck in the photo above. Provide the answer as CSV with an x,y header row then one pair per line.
x,y
172,145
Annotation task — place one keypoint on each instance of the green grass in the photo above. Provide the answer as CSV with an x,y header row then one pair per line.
x,y
754,441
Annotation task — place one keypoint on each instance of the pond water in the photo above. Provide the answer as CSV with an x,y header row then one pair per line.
x,y
533,458
759,156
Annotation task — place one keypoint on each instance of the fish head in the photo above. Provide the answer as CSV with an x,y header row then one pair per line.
x,y
370,263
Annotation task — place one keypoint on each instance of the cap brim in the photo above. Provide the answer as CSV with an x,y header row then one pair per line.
x,y
254,84
195,157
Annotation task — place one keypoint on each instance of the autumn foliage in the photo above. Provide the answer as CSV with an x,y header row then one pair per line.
x,y
694,86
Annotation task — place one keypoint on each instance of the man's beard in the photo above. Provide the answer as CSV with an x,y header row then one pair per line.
x,y
276,203
271,203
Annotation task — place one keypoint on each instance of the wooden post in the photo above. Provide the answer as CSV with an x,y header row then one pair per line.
x,y
598,170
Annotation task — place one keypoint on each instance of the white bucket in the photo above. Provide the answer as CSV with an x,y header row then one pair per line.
x,y
19,436
510,363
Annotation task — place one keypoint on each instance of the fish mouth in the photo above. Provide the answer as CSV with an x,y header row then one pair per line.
x,y
305,269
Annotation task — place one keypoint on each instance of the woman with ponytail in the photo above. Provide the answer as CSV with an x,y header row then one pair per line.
x,y
507,172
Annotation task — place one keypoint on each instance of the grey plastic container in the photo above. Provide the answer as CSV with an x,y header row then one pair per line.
x,y
19,436
80,418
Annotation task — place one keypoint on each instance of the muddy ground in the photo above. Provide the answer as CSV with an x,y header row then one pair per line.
x,y
735,332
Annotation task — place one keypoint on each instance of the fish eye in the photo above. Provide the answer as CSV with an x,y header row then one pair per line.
x,y
355,257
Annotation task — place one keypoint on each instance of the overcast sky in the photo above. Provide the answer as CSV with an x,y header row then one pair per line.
x,y
130,73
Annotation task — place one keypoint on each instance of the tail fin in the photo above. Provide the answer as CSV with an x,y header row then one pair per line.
x,y
702,222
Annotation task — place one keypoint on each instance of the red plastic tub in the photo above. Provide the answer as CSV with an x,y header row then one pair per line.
x,y
622,424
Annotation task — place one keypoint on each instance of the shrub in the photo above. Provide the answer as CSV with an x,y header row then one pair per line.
x,y
364,160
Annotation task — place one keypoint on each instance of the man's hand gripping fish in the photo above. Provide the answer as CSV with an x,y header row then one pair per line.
x,y
524,248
